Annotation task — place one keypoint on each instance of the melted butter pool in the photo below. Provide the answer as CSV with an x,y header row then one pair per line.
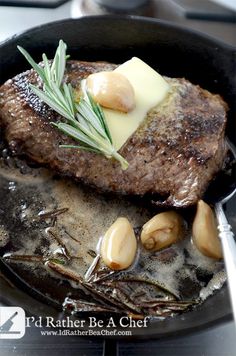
x,y
49,230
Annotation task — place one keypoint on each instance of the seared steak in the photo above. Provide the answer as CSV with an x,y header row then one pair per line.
x,y
175,152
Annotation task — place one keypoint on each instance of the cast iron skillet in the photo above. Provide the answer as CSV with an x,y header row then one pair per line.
x,y
173,51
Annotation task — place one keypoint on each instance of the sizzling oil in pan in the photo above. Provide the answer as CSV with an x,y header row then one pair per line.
x,y
49,231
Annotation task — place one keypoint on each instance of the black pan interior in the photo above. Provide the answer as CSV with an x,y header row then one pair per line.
x,y
173,51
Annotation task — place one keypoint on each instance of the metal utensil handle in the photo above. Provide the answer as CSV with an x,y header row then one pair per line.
x,y
229,249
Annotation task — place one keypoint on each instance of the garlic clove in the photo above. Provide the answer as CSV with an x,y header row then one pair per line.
x,y
111,90
119,245
162,230
204,232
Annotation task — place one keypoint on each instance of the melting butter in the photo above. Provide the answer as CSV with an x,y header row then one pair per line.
x,y
150,89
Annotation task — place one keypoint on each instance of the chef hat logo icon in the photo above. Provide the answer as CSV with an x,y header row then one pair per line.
x,y
12,322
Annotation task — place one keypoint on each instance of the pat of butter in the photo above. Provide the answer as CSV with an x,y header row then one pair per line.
x,y
150,89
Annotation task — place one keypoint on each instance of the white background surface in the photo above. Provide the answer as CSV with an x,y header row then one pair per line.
x,y
16,19
229,3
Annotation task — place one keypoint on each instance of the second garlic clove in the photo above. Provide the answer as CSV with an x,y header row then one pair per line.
x,y
111,90
205,233
119,245
162,230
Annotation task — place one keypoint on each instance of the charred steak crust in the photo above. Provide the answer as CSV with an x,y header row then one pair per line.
x,y
175,152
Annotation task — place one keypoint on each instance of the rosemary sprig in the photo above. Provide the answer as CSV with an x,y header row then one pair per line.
x,y
85,121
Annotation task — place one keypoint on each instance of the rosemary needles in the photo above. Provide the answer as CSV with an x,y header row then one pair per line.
x,y
85,121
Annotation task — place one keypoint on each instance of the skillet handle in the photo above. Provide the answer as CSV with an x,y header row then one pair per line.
x,y
229,250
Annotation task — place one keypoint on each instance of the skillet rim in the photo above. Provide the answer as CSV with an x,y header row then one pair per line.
x,y
144,19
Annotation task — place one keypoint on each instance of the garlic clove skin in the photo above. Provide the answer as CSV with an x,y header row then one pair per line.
x,y
162,230
204,232
111,90
119,245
